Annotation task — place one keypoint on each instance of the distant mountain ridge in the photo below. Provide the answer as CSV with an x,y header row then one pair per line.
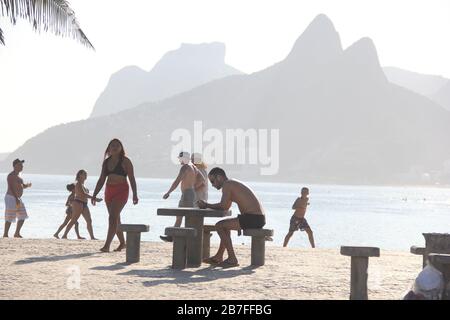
x,y
434,87
179,70
339,118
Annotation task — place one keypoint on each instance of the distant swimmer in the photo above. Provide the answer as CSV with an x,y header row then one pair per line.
x,y
14,206
187,179
80,205
116,168
69,211
298,220
252,214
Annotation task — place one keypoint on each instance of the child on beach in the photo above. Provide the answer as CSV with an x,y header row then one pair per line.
x,y
298,220
80,205
71,189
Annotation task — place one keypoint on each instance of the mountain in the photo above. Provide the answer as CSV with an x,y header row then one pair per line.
x,y
3,156
423,84
339,119
442,96
180,70
437,88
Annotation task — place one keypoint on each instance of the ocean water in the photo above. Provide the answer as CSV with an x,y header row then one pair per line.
x,y
392,218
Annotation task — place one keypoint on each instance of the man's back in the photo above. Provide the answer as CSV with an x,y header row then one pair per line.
x,y
244,197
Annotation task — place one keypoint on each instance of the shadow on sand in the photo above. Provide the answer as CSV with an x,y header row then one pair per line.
x,y
169,275
53,258
114,267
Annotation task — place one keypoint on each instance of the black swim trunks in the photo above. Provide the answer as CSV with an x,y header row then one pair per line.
x,y
298,223
252,221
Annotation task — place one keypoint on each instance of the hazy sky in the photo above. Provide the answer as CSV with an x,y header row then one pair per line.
x,y
46,80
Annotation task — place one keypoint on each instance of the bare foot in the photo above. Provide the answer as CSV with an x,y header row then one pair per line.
x,y
18,236
213,260
5,236
81,238
229,263
104,249
64,237
120,247
93,238
56,236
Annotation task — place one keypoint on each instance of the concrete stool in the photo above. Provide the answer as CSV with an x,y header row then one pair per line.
x,y
207,230
359,265
180,238
442,263
420,251
133,240
258,244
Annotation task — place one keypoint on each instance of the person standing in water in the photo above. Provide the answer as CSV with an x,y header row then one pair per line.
x,y
201,183
115,170
298,220
80,205
187,177
14,207
69,212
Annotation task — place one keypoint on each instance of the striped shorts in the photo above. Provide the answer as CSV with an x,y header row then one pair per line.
x,y
14,211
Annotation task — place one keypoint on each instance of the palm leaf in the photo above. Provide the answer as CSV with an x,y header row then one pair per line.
x,y
53,16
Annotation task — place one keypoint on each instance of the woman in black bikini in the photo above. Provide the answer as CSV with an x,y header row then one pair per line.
x,y
115,169
80,205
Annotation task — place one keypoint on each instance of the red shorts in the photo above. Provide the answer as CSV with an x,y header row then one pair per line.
x,y
117,192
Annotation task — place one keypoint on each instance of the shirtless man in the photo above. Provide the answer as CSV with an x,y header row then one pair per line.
x,y
298,220
14,207
188,179
251,217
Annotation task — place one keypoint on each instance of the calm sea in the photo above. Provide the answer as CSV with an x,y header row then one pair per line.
x,y
388,217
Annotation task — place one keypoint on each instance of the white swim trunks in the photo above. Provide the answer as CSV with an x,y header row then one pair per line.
x,y
14,211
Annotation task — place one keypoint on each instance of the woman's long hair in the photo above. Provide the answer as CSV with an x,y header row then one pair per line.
x,y
122,153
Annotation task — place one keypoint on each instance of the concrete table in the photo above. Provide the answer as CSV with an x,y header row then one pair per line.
x,y
437,243
359,265
194,218
421,252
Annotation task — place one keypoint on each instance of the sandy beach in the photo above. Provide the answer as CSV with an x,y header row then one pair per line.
x,y
42,269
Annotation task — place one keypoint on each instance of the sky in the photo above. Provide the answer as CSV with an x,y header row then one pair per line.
x,y
46,80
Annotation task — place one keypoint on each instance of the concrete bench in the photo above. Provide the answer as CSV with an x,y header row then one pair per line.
x,y
180,237
258,244
420,251
358,271
133,240
207,230
442,263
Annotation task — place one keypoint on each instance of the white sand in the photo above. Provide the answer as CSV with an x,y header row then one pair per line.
x,y
40,269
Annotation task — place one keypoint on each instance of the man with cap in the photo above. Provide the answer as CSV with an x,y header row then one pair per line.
x,y
14,207
187,177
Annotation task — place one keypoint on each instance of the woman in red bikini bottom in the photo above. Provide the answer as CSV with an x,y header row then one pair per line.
x,y
115,170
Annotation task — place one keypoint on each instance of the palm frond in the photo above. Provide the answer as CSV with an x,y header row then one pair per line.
x,y
53,16
2,40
